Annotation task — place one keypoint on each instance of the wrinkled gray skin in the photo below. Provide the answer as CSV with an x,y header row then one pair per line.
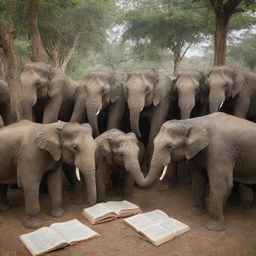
x,y
38,149
100,89
148,88
4,102
227,83
47,93
200,140
117,152
187,86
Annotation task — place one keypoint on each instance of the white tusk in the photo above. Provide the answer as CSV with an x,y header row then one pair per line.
x,y
221,104
141,109
97,112
164,172
78,173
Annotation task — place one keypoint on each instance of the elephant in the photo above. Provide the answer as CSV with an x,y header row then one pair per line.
x,y
4,102
117,153
220,149
47,93
233,89
187,86
148,90
100,89
30,150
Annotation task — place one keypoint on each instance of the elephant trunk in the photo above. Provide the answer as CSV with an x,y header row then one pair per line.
x,y
93,109
216,102
90,181
27,107
186,106
135,107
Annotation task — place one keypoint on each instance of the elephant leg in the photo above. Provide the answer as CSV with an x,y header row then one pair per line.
x,y
199,182
4,204
220,184
54,182
241,105
246,195
115,114
102,177
51,111
5,113
128,186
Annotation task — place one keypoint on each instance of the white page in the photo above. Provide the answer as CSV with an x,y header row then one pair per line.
x,y
42,240
73,230
97,210
139,222
175,226
157,216
117,206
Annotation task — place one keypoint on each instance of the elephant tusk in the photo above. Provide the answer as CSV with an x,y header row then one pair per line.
x,y
164,172
97,112
78,173
141,109
221,104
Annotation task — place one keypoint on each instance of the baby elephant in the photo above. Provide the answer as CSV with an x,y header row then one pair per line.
x,y
117,153
30,150
220,148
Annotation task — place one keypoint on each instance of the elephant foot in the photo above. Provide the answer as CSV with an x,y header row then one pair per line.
x,y
57,212
198,211
216,225
4,206
77,199
31,222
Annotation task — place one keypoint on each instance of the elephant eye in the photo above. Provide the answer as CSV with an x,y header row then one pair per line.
x,y
169,146
226,85
120,154
197,89
147,89
75,148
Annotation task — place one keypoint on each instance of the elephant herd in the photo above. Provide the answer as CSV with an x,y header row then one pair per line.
x,y
112,125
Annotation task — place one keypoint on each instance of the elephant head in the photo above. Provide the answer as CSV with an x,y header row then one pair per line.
x,y
101,88
187,85
122,149
74,144
143,88
176,141
40,81
223,82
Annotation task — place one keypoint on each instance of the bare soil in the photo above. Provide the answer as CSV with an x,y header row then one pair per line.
x,y
239,239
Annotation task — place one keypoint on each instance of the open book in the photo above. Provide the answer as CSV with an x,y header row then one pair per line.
x,y
157,226
56,236
111,210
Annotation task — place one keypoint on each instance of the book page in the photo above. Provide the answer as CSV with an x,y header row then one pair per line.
x,y
42,240
73,231
118,206
139,222
175,226
157,216
98,210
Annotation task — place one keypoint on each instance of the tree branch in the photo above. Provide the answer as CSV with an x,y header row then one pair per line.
x,y
231,5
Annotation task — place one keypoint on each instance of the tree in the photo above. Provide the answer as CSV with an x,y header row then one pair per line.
x,y
38,52
12,65
172,25
224,10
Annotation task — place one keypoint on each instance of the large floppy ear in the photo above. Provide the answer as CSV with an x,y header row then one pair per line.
x,y
239,83
117,86
48,139
58,79
162,86
196,139
204,88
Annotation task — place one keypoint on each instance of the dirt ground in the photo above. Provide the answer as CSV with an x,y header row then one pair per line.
x,y
117,239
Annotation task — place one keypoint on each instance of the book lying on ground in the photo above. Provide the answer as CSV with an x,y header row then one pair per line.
x,y
111,210
56,236
157,226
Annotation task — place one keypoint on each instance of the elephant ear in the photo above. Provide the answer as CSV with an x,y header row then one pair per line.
x,y
163,85
48,139
239,83
58,79
196,140
117,86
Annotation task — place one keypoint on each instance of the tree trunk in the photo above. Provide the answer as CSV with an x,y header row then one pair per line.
x,y
38,52
177,61
220,43
12,72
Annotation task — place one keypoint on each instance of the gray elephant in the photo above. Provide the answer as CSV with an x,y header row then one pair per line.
x,y
232,90
30,150
148,90
187,86
220,149
47,93
117,153
100,90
